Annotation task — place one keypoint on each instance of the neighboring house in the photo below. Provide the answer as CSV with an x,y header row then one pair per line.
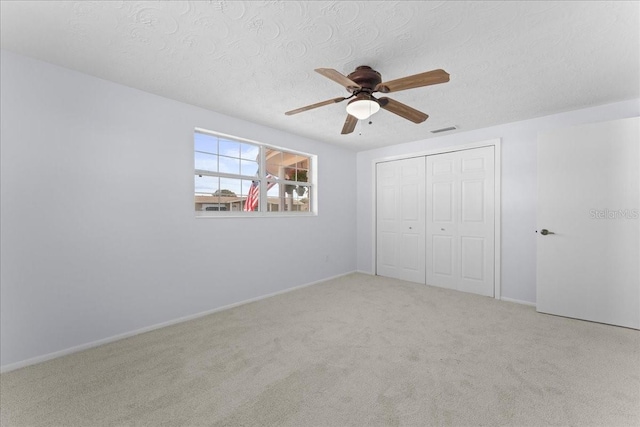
x,y
236,204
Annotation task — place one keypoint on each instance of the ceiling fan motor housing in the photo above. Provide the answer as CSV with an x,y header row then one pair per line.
x,y
366,77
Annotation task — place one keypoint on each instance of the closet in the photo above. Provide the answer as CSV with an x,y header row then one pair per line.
x,y
435,219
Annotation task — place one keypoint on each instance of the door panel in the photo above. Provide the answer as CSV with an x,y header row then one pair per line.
x,y
473,201
442,201
442,256
589,196
473,258
410,249
400,219
410,208
473,164
442,167
460,220
386,250
387,205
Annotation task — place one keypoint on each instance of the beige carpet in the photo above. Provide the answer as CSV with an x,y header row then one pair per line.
x,y
355,351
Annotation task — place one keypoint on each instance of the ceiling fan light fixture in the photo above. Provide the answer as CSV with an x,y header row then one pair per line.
x,y
362,107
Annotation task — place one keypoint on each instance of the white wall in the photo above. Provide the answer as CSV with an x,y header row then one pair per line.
x,y
98,232
519,188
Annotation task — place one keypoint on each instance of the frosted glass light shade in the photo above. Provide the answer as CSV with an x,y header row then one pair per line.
x,y
362,108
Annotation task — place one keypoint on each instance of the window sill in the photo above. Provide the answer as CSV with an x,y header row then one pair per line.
x,y
256,215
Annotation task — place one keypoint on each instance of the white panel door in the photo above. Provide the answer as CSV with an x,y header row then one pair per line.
x,y
460,220
400,218
588,196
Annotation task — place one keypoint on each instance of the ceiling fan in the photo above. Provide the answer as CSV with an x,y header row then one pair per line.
x,y
363,83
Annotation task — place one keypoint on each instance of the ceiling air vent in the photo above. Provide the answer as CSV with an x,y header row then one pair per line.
x,y
444,129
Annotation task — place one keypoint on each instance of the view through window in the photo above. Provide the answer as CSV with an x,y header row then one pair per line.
x,y
239,176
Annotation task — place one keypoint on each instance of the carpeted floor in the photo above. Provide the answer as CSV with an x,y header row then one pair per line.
x,y
354,351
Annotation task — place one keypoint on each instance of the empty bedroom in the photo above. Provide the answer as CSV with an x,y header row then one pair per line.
x,y
319,213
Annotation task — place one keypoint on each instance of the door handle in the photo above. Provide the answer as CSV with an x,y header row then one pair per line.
x,y
544,232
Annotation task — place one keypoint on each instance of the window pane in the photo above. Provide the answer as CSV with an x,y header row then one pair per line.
x,y
287,165
273,160
206,162
248,167
205,188
206,184
229,148
205,143
230,194
246,187
229,165
301,199
274,202
300,175
249,152
288,198
251,194
230,187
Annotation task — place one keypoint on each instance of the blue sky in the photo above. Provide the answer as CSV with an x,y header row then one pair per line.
x,y
216,154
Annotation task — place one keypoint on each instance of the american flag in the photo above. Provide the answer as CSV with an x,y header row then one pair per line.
x,y
254,195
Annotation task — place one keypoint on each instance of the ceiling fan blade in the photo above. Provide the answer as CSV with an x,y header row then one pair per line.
x,y
402,110
312,106
338,78
417,80
349,124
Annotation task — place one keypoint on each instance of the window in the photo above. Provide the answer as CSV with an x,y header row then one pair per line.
x,y
244,177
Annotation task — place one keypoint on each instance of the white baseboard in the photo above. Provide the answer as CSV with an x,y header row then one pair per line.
x,y
46,357
517,301
368,273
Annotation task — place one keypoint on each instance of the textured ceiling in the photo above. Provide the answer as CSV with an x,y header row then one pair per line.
x,y
508,61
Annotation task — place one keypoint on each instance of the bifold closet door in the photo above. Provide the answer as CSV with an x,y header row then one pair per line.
x,y
460,220
400,219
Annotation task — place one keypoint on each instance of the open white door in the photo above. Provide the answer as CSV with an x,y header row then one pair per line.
x,y
589,198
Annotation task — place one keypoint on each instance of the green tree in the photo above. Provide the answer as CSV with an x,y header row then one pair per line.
x,y
225,193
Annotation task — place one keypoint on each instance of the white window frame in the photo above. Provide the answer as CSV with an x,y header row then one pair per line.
x,y
262,209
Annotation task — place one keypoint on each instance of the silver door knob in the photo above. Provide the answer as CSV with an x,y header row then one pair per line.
x,y
544,232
